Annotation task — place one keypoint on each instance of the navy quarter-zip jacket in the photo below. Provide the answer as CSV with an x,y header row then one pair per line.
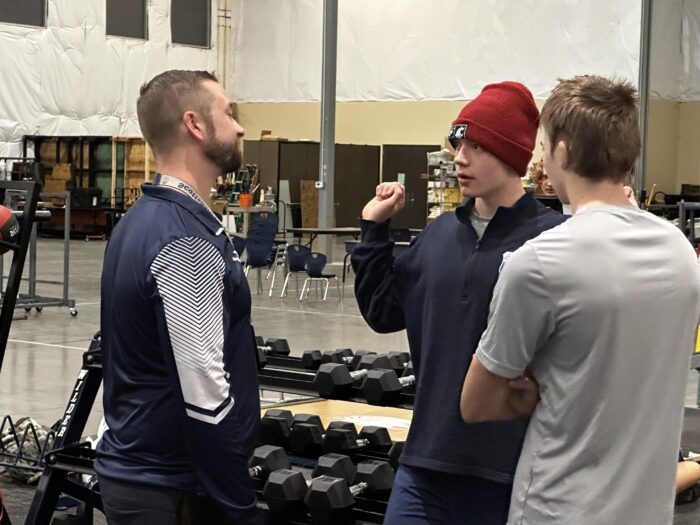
x,y
440,290
180,379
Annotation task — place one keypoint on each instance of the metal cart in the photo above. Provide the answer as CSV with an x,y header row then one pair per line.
x,y
32,299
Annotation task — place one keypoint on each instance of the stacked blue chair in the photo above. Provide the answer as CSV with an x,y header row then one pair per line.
x,y
315,263
296,264
238,244
259,243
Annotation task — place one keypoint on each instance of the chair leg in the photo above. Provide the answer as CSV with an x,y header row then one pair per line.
x,y
337,285
284,286
303,289
260,285
325,291
246,269
273,266
272,284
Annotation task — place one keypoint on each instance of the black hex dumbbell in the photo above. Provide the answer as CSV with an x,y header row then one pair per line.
x,y
266,459
274,427
347,440
384,387
330,500
307,433
311,359
284,490
398,361
345,356
335,381
273,346
370,440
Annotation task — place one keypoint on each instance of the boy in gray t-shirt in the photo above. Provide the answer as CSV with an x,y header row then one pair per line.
x,y
601,312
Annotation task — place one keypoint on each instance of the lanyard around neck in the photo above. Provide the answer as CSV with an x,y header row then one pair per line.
x,y
184,188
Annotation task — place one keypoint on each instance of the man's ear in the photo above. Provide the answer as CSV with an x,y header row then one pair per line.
x,y
560,155
194,125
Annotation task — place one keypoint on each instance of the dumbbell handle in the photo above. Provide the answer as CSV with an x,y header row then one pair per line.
x,y
407,381
358,374
255,471
358,488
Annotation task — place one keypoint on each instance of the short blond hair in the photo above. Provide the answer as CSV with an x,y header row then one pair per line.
x,y
598,120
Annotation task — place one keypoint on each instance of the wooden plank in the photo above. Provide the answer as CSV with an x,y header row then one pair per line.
x,y
75,154
396,420
309,204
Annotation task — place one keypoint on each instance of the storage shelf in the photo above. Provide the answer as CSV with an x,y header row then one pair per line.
x,y
438,189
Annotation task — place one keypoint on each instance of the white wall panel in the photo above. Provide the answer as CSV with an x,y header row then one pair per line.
x,y
71,79
437,49
690,51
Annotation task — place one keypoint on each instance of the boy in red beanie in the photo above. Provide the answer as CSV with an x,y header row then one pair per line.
x,y
439,290
605,322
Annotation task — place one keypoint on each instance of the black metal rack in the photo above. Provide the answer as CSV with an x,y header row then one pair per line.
x,y
68,454
19,253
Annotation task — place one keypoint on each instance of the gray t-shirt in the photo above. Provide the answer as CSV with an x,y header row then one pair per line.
x,y
603,310
479,223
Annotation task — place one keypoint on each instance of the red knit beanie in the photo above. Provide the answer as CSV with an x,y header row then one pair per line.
x,y
503,120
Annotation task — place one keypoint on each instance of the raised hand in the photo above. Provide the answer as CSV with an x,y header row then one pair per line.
x,y
389,199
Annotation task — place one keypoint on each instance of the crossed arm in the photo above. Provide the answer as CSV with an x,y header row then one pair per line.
x,y
489,397
498,385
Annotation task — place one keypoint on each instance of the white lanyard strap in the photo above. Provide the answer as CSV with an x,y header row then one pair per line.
x,y
184,188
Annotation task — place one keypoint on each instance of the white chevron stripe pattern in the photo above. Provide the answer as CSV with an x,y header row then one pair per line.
x,y
189,273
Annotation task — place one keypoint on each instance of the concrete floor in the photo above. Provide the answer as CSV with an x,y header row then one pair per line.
x,y
44,351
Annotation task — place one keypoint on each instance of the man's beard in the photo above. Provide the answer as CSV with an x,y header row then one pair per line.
x,y
227,157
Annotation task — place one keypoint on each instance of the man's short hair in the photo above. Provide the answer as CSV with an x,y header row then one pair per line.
x,y
598,120
164,99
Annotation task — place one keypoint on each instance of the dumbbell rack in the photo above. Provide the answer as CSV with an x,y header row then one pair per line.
x,y
297,381
71,456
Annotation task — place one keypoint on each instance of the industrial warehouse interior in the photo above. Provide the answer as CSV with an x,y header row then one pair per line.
x,y
447,327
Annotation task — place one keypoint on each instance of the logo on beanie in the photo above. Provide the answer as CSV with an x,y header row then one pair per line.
x,y
457,133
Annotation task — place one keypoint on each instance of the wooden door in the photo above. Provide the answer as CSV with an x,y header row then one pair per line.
x,y
356,177
412,161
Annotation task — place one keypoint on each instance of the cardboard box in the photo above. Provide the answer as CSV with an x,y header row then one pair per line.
x,y
61,171
54,186
218,205
47,152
